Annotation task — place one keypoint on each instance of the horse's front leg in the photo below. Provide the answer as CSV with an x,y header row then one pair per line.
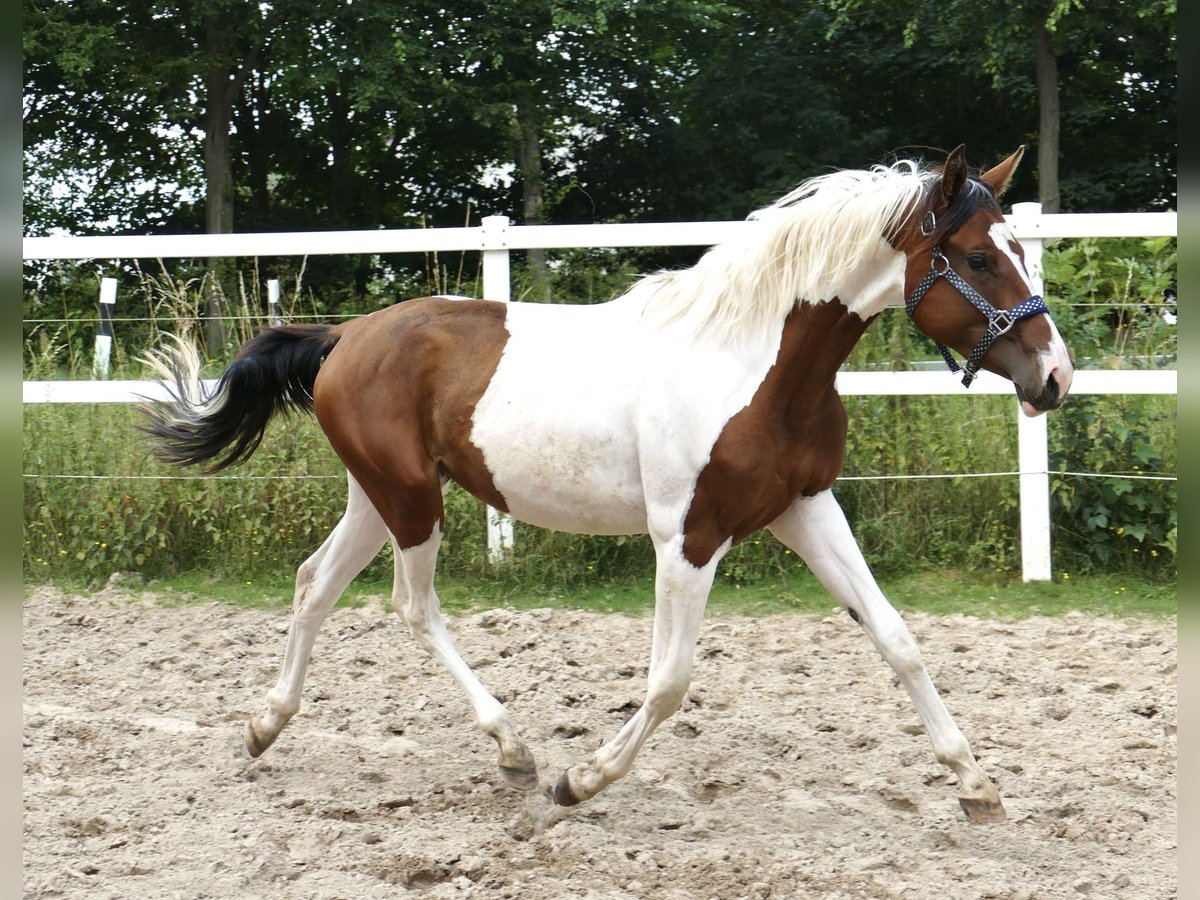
x,y
681,591
816,528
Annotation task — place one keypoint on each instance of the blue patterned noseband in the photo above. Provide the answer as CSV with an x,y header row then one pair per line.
x,y
999,321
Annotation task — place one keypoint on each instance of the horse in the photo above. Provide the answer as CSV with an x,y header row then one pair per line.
x,y
698,407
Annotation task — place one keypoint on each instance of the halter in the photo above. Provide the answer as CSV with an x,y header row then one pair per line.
x,y
999,321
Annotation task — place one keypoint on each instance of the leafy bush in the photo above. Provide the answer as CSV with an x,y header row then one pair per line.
x,y
1124,521
1115,302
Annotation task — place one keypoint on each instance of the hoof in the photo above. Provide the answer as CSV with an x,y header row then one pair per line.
x,y
255,745
563,793
984,812
521,779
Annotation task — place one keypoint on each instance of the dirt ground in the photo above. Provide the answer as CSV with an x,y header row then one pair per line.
x,y
796,767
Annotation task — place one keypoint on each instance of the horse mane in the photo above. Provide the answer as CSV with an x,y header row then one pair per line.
x,y
798,248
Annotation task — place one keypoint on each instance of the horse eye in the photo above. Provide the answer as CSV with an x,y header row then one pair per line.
x,y
978,262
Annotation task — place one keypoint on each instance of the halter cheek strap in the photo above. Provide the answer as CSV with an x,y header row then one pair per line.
x,y
999,321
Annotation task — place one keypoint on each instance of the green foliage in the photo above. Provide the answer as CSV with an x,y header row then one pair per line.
x,y
140,516
905,524
1114,298
265,518
981,70
1122,522
389,113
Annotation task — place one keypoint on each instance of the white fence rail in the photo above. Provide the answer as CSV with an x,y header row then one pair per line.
x,y
496,237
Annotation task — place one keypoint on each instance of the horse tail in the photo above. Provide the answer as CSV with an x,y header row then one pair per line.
x,y
274,372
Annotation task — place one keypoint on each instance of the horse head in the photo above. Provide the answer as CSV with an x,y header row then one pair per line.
x,y
968,287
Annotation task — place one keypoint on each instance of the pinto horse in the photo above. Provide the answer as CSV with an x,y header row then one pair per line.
x,y
698,407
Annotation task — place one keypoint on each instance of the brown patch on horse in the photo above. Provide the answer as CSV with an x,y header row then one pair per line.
x,y
789,440
396,396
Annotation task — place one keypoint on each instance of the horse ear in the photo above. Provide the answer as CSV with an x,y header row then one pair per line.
x,y
954,173
998,178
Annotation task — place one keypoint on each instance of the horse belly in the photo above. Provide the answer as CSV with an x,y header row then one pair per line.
x,y
556,429
564,474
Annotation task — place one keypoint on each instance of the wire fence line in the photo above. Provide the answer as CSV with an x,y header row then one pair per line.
x,y
927,476
262,317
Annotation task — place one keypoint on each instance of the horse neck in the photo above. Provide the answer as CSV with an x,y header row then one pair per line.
x,y
816,339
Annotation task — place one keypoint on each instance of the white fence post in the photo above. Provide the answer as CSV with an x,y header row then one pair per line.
x,y
1032,433
496,277
273,301
104,337
497,285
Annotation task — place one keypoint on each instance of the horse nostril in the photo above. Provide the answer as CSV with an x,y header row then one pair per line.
x,y
1050,395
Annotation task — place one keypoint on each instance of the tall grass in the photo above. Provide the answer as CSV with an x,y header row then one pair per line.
x,y
95,502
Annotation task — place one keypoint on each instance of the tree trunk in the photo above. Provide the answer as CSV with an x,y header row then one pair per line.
x,y
1048,120
529,165
220,88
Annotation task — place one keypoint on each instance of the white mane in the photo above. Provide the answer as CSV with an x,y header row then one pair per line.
x,y
798,248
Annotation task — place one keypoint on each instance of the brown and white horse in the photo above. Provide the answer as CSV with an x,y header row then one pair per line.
x,y
698,408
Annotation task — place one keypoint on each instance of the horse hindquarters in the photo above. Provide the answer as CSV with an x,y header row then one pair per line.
x,y
816,529
392,399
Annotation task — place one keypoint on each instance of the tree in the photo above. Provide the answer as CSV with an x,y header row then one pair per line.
x,y
1062,44
545,79
215,114
103,110
81,72
229,35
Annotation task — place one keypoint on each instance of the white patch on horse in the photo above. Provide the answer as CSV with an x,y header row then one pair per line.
x,y
1004,240
1054,360
594,423
876,284
822,238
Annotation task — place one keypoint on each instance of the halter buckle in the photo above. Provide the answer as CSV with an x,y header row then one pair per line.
x,y
1000,323
933,262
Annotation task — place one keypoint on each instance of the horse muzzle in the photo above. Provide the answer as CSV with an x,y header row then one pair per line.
x,y
1052,393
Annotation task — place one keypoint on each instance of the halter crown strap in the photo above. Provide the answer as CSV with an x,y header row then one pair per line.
x,y
999,320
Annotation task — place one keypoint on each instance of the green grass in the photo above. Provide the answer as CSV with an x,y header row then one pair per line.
x,y
941,593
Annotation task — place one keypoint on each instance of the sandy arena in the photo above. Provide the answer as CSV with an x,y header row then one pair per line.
x,y
796,768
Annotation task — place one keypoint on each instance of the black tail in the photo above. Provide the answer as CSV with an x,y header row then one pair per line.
x,y
273,372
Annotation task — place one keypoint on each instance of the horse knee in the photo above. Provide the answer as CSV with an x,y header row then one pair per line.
x,y
906,657
899,648
419,621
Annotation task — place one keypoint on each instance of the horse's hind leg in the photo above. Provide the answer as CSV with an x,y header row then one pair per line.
x,y
320,581
816,529
416,600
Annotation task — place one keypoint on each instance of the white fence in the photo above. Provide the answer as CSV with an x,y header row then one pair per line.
x,y
495,238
